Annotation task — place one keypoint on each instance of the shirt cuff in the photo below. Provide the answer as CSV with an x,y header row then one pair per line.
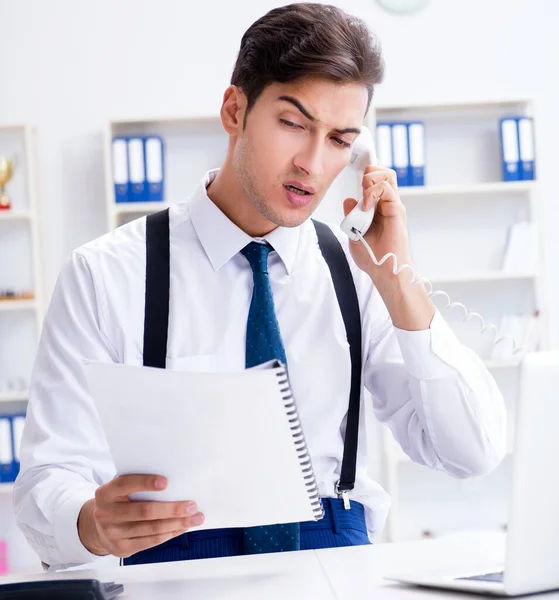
x,y
67,539
432,353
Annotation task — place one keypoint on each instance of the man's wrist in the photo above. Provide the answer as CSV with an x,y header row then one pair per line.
x,y
87,530
409,306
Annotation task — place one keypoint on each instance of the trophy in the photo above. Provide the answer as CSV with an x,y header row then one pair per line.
x,y
6,171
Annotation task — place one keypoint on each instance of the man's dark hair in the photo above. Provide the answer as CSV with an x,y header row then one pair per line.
x,y
306,40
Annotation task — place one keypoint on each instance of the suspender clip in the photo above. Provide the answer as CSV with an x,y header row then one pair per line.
x,y
344,495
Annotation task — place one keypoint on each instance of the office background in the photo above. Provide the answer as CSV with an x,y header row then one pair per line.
x,y
69,67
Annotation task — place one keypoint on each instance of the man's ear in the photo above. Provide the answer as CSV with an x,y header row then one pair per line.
x,y
233,110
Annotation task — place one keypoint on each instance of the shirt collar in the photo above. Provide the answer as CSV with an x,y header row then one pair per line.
x,y
222,239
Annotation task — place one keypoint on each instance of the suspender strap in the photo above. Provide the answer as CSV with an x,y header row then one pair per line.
x,y
344,285
156,317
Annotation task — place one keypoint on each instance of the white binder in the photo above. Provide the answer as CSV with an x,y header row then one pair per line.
x,y
527,149
400,152
510,154
120,169
416,134
384,145
6,454
18,425
136,168
154,169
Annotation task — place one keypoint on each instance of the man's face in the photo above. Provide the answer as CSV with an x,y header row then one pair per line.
x,y
297,134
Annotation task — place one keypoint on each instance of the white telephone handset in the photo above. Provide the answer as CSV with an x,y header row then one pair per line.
x,y
358,221
363,154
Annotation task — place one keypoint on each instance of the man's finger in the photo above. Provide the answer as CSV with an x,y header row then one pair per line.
x,y
128,547
123,485
148,528
349,204
125,512
380,175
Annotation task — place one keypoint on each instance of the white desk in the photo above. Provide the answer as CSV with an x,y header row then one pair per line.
x,y
335,574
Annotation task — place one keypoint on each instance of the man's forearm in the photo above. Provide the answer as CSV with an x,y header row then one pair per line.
x,y
409,306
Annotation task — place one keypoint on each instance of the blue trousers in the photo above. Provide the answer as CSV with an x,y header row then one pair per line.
x,y
338,528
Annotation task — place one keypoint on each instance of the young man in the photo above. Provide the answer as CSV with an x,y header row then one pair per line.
x,y
244,244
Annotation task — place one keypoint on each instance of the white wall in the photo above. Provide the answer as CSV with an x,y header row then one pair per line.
x,y
69,66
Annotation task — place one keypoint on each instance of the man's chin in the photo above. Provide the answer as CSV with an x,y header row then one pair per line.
x,y
291,218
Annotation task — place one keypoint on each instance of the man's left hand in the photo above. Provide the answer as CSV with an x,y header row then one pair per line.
x,y
388,231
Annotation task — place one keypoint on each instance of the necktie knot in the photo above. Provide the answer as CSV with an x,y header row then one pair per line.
x,y
257,256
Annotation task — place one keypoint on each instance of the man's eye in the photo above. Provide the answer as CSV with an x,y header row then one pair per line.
x,y
341,143
289,123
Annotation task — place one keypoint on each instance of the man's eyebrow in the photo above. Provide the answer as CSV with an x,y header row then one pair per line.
x,y
308,115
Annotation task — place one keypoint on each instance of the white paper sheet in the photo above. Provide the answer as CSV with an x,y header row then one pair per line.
x,y
221,439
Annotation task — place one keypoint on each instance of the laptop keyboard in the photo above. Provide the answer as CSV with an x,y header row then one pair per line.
x,y
493,577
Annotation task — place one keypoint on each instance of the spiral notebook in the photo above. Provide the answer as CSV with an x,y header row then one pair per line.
x,y
232,442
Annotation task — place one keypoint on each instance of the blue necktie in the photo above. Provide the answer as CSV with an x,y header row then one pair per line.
x,y
264,343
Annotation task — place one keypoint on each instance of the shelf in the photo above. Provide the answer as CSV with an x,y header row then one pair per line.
x,y
14,396
13,305
400,457
170,119
138,207
497,188
12,127
490,103
483,276
509,363
15,215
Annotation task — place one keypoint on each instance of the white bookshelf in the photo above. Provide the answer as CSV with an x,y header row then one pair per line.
x,y
21,269
192,145
20,319
458,225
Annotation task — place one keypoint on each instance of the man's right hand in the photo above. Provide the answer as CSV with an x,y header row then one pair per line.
x,y
111,523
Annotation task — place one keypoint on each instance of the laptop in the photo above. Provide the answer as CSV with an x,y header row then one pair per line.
x,y
532,544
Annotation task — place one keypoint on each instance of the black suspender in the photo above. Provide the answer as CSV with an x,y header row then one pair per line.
x,y
156,320
336,260
158,269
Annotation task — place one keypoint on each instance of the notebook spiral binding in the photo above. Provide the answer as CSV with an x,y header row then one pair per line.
x,y
299,441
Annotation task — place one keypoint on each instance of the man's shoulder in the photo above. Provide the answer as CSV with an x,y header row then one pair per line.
x,y
127,242
124,241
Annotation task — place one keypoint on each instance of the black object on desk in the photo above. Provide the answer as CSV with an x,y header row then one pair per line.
x,y
61,589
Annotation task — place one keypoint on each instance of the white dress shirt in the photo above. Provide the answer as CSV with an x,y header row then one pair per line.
x,y
437,397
